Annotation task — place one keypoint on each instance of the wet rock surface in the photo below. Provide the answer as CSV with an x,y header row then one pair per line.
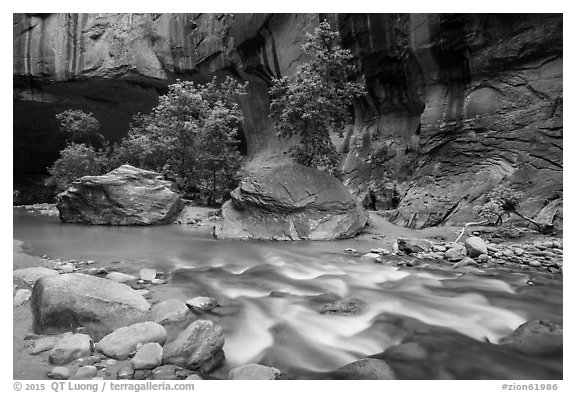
x,y
291,202
536,337
197,348
123,341
73,300
125,196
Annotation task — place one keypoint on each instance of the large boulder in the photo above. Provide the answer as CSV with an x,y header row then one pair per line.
x,y
30,275
291,202
63,302
197,348
124,196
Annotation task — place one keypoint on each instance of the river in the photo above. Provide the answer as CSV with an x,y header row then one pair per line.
x,y
271,293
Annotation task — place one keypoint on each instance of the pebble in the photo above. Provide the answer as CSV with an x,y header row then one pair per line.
x,y
467,261
102,271
67,268
202,303
518,251
372,257
351,251
147,274
125,372
86,372
381,251
535,264
21,297
438,248
59,373
483,258
158,281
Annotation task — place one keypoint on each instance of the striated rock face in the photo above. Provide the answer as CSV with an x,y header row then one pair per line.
x,y
291,202
457,103
124,196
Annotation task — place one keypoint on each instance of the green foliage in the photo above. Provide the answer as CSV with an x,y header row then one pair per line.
x,y
500,201
317,100
77,160
80,127
190,135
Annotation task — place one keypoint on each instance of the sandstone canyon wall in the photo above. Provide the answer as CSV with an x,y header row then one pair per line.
x,y
456,103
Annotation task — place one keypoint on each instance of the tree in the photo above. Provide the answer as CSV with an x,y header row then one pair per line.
x,y
502,201
77,160
80,127
190,135
317,100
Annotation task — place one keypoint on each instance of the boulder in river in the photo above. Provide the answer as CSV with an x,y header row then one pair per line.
x,y
291,202
202,303
413,245
539,337
255,372
197,348
125,196
62,302
455,253
345,306
121,342
366,368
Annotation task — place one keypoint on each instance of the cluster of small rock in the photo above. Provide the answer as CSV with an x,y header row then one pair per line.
x,y
474,252
101,340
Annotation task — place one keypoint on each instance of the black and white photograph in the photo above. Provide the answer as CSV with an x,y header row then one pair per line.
x,y
286,196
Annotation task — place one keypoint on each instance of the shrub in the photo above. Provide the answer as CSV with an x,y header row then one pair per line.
x,y
77,160
80,127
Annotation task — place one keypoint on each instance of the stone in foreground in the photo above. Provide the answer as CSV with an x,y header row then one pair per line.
x,y
255,372
67,301
198,348
291,202
124,196
170,311
120,343
59,373
536,337
148,356
69,348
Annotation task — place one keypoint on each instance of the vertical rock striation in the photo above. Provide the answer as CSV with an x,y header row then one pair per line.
x,y
457,103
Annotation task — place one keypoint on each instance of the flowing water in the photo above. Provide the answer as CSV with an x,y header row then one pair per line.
x,y
271,294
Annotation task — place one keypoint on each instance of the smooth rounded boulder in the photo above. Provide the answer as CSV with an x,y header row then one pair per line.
x,y
366,368
291,202
475,246
121,342
198,348
125,196
68,301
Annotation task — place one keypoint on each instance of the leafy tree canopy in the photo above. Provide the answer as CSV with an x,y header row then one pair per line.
x,y
317,100
80,127
191,135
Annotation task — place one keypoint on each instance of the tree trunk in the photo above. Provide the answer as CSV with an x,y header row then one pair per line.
x,y
541,227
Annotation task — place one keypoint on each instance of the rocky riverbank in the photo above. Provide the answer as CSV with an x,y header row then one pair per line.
x,y
179,338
